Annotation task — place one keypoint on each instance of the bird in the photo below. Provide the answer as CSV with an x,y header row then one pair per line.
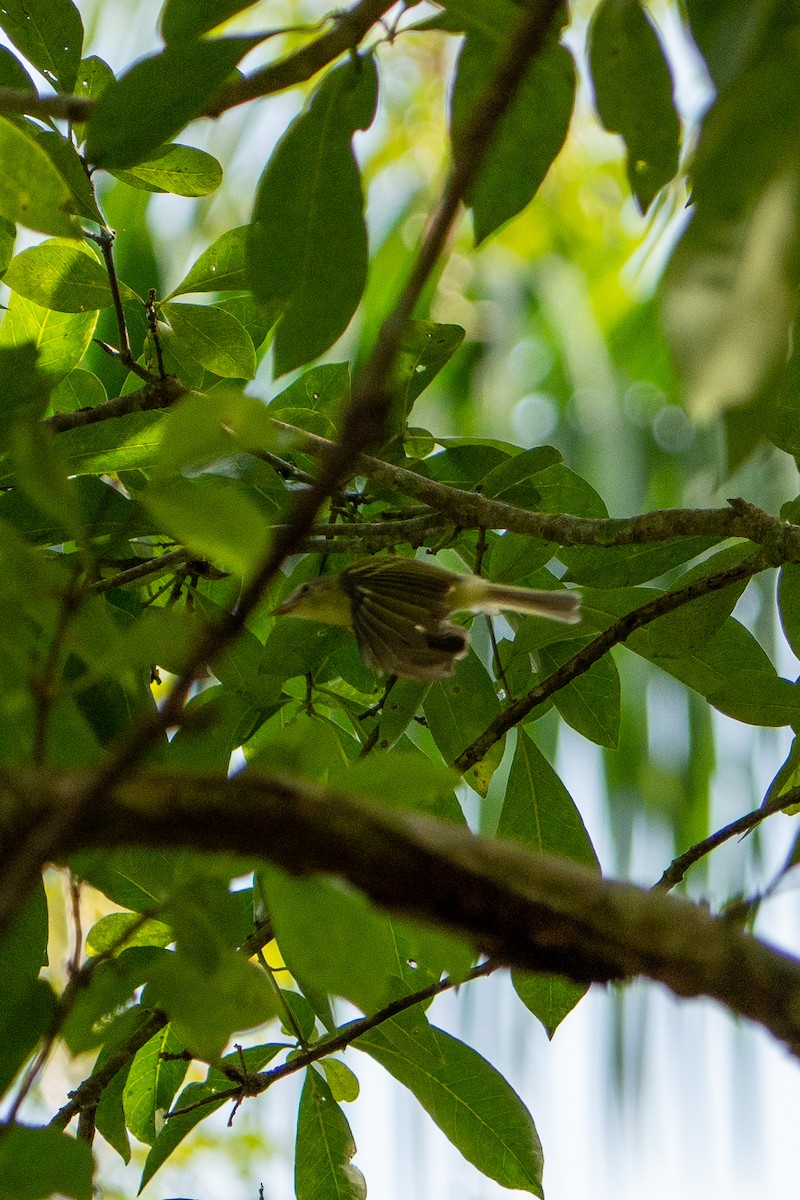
x,y
398,609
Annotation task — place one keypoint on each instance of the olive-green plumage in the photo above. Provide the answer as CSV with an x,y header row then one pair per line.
x,y
398,610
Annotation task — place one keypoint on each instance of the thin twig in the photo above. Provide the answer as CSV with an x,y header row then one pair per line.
x,y
90,1091
679,866
347,31
614,635
31,104
105,240
148,568
258,1083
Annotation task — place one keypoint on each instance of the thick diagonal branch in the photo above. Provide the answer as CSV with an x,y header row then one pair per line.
x,y
527,910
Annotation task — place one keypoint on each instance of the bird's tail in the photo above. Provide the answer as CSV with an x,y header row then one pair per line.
x,y
557,605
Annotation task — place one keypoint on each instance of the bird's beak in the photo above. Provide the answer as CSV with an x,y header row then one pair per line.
x,y
282,609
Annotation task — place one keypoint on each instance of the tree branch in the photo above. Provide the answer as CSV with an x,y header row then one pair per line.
x,y
347,31
31,104
470,510
159,394
532,911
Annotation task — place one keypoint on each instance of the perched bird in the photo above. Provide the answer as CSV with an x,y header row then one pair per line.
x,y
398,610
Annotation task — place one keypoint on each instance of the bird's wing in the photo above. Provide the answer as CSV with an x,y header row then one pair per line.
x,y
399,619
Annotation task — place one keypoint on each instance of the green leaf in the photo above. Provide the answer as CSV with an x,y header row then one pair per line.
x,y
307,245
514,557
61,275
69,165
716,665
341,1080
153,1080
785,779
678,632
37,1163
214,338
176,1128
331,937
529,136
29,387
728,300
459,709
181,170
60,338
8,234
183,19
399,709
590,703
219,268
324,1147
748,134
468,1099
307,748
79,389
633,93
118,930
156,97
200,429
41,471
758,698
322,391
729,33
625,566
209,994
214,518
465,465
549,997
107,446
473,15
424,349
32,191
257,321
27,1004
789,604
94,76
50,35
13,74
405,780
110,1114
561,490
110,987
539,812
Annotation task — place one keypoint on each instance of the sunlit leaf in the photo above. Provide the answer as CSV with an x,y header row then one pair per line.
x,y
214,338
182,170
219,268
32,191
468,1099
530,135
324,1147
61,275
633,93
50,35
307,246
